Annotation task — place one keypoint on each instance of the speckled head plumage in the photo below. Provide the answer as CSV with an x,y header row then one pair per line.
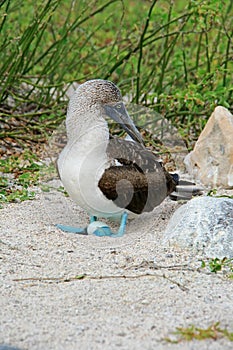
x,y
99,91
92,102
86,105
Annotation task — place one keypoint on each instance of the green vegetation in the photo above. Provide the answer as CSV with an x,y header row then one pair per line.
x,y
19,173
192,332
214,193
215,265
173,56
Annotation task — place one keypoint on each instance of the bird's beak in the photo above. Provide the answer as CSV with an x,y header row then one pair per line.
x,y
120,115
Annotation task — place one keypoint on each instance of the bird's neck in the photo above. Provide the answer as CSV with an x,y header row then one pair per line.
x,y
89,125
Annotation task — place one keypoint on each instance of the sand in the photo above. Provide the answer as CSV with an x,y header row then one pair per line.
x,y
62,291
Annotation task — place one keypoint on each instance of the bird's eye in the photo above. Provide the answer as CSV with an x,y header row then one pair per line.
x,y
118,106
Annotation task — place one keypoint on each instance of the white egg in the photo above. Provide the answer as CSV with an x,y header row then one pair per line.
x,y
100,226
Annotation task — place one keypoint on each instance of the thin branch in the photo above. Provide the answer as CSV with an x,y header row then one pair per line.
x,y
140,46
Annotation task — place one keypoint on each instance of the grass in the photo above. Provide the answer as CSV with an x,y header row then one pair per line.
x,y
192,332
216,265
172,56
214,193
18,174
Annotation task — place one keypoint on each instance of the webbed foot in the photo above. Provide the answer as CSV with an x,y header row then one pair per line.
x,y
97,228
100,229
71,229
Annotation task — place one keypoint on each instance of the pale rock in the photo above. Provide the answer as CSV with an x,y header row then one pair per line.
x,y
211,161
203,225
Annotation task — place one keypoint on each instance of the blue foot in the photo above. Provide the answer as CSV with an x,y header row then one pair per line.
x,y
122,227
97,228
100,229
79,230
93,219
71,229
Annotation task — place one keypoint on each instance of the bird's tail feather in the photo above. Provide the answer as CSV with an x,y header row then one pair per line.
x,y
185,190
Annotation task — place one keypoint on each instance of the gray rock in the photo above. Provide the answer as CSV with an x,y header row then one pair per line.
x,y
205,225
211,161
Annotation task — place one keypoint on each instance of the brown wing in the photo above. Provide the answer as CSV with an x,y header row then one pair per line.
x,y
140,183
129,152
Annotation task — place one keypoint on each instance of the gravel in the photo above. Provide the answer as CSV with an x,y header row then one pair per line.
x,y
62,291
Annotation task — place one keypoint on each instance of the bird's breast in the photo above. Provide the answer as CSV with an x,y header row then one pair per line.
x,y
81,165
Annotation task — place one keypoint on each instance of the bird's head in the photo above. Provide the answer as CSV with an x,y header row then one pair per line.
x,y
105,97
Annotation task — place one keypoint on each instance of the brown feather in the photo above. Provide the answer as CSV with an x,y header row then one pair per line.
x,y
141,183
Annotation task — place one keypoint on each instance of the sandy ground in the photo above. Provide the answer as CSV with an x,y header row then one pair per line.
x,y
134,294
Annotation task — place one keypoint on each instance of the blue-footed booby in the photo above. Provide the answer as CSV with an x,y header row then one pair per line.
x,y
108,177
